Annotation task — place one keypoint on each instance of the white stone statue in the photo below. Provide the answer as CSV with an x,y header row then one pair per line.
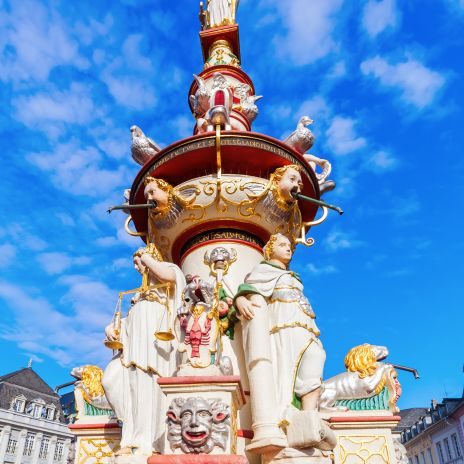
x,y
130,379
273,295
221,12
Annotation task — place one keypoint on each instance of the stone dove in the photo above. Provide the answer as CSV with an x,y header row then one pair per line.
x,y
200,101
143,148
301,139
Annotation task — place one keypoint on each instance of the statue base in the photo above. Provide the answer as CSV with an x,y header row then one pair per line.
x,y
298,456
227,389
198,459
130,459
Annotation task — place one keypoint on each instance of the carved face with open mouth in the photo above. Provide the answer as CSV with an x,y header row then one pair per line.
x,y
197,421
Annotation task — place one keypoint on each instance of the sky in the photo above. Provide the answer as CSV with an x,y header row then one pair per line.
x,y
382,81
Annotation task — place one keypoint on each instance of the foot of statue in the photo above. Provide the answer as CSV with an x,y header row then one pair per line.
x,y
123,451
267,439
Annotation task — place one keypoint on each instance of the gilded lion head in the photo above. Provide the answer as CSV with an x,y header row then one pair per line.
x,y
363,359
92,381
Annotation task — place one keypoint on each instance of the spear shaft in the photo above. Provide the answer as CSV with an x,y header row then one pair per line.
x,y
300,196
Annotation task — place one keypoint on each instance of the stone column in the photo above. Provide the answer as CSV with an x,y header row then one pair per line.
x,y
4,437
20,446
66,447
36,449
51,449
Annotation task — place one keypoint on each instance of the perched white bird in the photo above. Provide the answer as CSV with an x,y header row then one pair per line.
x,y
143,148
301,139
200,101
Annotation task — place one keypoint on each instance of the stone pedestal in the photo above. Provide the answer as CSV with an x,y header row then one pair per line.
x,y
226,388
97,441
364,436
198,459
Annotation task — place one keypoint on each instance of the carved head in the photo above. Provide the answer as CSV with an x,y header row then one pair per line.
x,y
160,192
151,250
91,377
197,425
219,81
285,181
280,248
363,359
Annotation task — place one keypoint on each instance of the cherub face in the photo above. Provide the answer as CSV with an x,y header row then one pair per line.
x,y
153,193
282,250
289,183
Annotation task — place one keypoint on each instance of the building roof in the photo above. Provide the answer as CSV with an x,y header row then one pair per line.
x,y
409,417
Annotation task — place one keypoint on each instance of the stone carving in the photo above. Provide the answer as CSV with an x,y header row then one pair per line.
x,y
197,425
130,378
200,101
89,383
142,148
366,377
197,325
401,453
282,348
247,104
220,12
301,139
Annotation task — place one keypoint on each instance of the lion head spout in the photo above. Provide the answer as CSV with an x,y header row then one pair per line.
x,y
363,359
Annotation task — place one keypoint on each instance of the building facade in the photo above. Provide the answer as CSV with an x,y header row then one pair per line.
x,y
33,429
437,437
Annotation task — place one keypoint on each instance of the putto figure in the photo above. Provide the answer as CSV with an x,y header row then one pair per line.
x,y
280,336
130,380
197,425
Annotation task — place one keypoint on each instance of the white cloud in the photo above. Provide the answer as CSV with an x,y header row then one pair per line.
x,y
342,137
7,254
338,240
75,170
44,110
56,262
418,85
379,15
40,328
381,161
320,270
35,40
310,28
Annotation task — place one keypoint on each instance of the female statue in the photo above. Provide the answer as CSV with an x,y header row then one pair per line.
x,y
221,12
130,380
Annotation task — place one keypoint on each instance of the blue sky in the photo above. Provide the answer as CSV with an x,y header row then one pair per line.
x,y
381,79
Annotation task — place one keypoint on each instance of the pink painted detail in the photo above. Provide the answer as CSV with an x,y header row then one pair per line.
x,y
333,420
113,425
219,98
197,459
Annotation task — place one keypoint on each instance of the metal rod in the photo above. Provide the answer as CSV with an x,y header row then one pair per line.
x,y
300,196
64,385
147,205
408,369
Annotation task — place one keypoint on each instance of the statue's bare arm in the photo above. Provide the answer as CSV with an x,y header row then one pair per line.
x,y
247,305
160,272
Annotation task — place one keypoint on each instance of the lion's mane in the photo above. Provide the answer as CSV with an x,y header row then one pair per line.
x,y
361,359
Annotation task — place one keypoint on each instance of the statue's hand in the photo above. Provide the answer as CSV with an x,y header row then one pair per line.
x,y
112,334
245,307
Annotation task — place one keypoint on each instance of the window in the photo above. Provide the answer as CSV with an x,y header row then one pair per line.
x,y
440,453
18,405
11,447
457,449
429,452
44,448
410,461
423,458
448,449
58,451
50,413
416,457
28,445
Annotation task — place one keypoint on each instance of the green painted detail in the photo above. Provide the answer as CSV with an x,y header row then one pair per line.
x,y
376,402
90,410
297,401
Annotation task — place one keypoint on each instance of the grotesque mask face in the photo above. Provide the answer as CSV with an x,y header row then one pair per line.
x,y
290,183
197,425
282,250
219,254
153,193
196,421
